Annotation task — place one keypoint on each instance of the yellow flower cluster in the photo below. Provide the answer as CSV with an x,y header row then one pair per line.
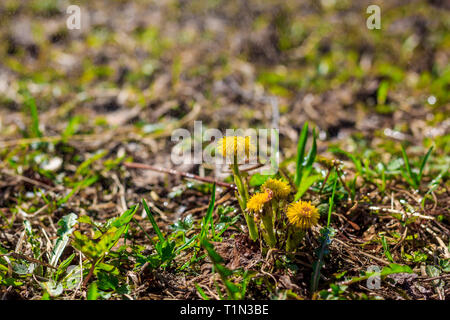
x,y
303,214
239,146
280,189
256,203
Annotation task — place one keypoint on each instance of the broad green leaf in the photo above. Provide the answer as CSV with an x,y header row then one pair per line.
x,y
305,184
258,179
125,218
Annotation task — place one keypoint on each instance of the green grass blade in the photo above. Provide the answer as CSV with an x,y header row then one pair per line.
x,y
310,158
207,219
78,186
301,154
390,269
307,182
411,174
30,103
152,221
330,208
312,153
387,253
326,237
201,292
354,159
233,290
424,162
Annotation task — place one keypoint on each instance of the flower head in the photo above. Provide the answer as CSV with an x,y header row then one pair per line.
x,y
256,203
303,214
238,146
279,188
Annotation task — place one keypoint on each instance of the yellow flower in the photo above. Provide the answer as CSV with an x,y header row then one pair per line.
x,y
303,214
236,146
256,203
279,188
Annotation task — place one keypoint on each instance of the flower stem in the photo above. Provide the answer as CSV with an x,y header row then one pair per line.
x,y
294,237
267,220
242,196
252,229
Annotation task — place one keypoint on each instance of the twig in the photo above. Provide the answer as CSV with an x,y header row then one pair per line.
x,y
187,175
362,252
29,259
91,272
29,180
199,209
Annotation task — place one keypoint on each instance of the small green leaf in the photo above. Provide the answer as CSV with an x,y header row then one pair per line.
x,y
395,268
258,179
53,288
92,293
382,92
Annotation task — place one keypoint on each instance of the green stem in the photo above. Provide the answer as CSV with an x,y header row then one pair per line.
x,y
294,238
267,220
242,196
252,229
240,183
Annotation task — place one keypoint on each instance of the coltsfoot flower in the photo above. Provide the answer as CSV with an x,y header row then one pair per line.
x,y
280,188
239,146
303,214
256,203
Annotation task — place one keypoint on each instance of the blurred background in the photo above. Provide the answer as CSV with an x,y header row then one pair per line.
x,y
136,70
